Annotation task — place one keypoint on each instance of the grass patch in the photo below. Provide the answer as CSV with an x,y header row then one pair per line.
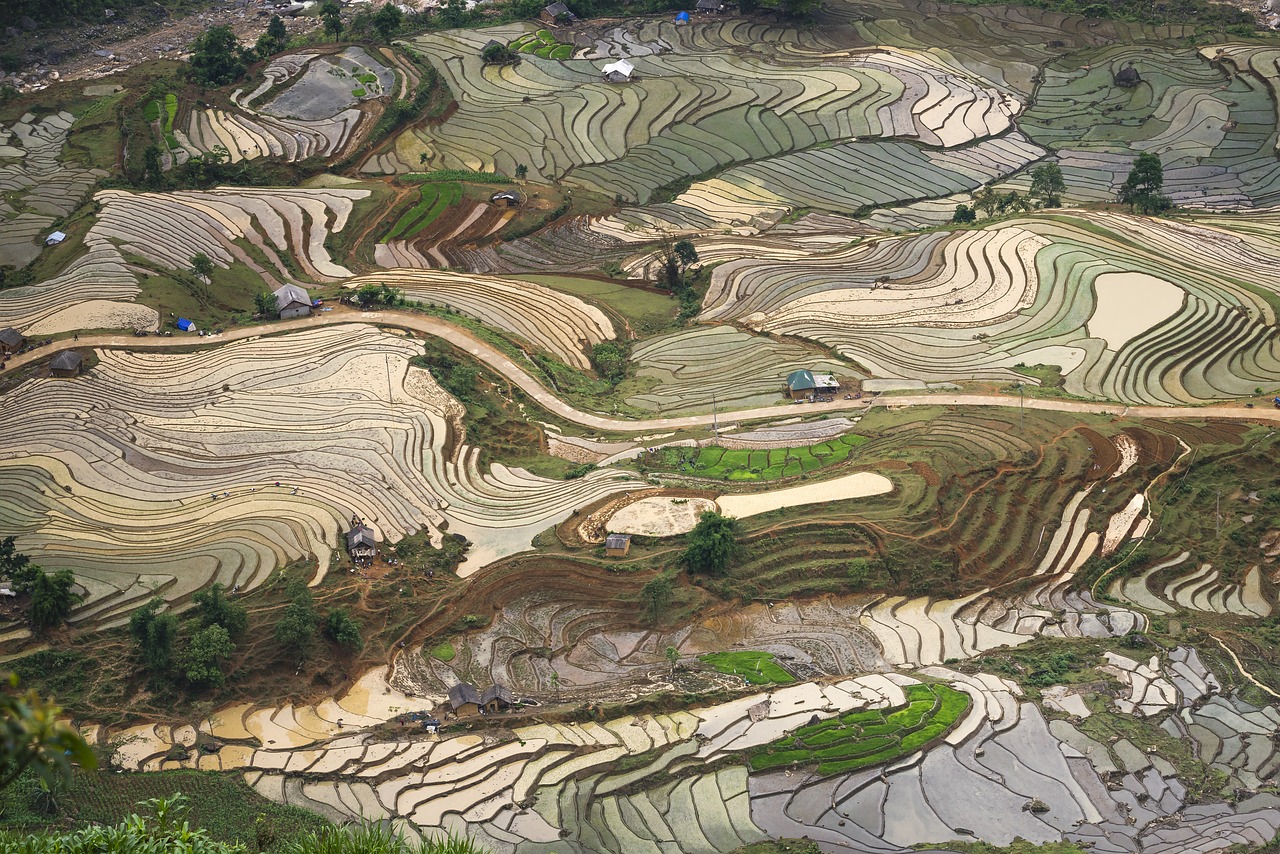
x,y
866,738
644,310
358,93
454,175
758,668
444,652
433,200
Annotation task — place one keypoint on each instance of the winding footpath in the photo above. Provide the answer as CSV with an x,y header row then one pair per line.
x,y
499,362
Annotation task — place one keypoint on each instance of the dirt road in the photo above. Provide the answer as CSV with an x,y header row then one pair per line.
x,y
502,364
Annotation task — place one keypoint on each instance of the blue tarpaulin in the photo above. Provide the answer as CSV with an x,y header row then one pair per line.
x,y
683,17
185,325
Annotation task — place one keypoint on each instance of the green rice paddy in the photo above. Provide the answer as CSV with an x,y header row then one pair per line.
x,y
433,199
758,668
862,739
766,464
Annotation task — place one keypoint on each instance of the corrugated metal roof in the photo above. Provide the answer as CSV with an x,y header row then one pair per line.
x,y
288,295
800,380
67,360
11,336
617,541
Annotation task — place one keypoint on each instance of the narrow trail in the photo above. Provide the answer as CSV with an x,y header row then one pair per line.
x,y
498,361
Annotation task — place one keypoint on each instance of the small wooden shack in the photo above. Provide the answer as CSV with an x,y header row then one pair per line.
x,y
506,199
361,542
617,545
68,363
11,340
618,72
292,301
496,698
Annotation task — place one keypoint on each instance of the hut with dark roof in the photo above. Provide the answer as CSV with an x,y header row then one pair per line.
x,y
68,363
11,340
1128,77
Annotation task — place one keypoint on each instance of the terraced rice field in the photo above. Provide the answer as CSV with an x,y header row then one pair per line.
x,y
161,471
764,464
33,175
556,322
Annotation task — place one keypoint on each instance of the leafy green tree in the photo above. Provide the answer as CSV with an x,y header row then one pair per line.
x,y
32,735
274,40
454,13
340,628
52,600
986,200
673,656
656,596
155,634
375,839
712,544
216,58
522,172
686,253
1142,188
208,650
610,359
795,9
387,21
264,303
202,265
297,627
1047,185
331,17
152,167
215,609
17,567
963,214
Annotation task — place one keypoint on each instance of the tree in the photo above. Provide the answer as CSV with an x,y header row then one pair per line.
x,y
17,567
152,167
340,628
297,628
793,9
610,359
1047,185
673,656
264,303
522,171
963,214
32,735
1142,188
209,649
216,59
154,633
387,21
216,609
274,40
454,13
655,597
52,600
165,831
331,17
202,265
497,54
985,200
686,253
712,544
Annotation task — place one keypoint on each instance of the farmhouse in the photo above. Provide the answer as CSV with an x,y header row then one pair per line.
x,y
466,700
11,340
617,545
506,199
805,384
292,301
618,72
66,364
557,12
361,542
1128,77
712,6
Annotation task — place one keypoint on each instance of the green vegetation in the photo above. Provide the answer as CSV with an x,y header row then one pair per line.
x,y
221,809
712,544
297,628
35,741
745,465
1142,188
433,200
862,739
376,839
216,58
453,175
343,630
645,310
444,651
1209,16
758,668
542,43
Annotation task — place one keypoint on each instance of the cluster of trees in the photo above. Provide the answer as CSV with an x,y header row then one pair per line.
x,y
1141,190
611,359
673,275
220,624
1047,189
384,294
53,595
